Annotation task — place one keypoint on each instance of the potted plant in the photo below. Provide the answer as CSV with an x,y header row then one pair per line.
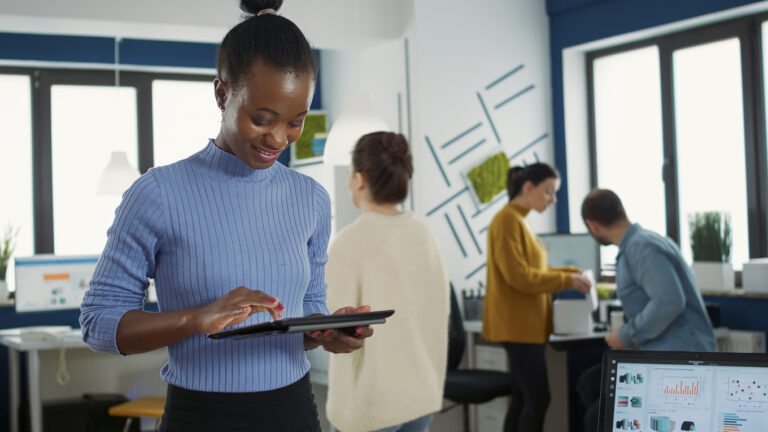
x,y
6,250
711,246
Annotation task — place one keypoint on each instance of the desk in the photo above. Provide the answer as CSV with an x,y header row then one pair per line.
x,y
556,369
586,340
15,346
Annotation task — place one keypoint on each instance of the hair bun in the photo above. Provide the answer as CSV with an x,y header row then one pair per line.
x,y
255,6
396,145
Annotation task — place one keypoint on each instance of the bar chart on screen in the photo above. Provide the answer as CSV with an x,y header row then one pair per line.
x,y
733,422
681,386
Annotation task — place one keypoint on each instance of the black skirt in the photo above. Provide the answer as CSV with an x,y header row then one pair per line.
x,y
287,409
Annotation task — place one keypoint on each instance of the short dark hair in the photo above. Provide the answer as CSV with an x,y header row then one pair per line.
x,y
270,38
384,159
604,207
534,173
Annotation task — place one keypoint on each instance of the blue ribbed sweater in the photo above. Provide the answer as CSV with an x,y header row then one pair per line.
x,y
201,227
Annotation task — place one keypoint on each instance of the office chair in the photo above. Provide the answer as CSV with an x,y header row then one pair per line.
x,y
468,386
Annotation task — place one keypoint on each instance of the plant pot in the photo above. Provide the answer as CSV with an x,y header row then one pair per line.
x,y
3,291
714,276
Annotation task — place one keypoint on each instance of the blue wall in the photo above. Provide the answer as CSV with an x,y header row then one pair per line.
x,y
573,22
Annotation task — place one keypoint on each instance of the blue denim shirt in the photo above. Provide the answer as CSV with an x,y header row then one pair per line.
x,y
663,308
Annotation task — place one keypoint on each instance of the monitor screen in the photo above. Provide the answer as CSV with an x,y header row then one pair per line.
x,y
579,250
49,282
683,391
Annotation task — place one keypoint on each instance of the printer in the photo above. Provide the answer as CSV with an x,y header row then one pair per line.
x,y
574,316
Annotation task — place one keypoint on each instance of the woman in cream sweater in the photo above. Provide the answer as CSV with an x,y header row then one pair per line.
x,y
518,302
389,259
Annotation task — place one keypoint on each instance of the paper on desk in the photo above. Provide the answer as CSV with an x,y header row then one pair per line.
x,y
592,294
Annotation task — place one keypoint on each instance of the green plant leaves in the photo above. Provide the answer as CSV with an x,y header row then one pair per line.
x,y
710,236
6,249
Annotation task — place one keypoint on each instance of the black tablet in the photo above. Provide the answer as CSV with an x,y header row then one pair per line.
x,y
294,325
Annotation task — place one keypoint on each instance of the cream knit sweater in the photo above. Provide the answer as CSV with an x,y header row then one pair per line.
x,y
389,262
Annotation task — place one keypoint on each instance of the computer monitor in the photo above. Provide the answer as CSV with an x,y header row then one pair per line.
x,y
665,391
579,250
50,282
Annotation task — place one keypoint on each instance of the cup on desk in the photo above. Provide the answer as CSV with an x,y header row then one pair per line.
x,y
617,320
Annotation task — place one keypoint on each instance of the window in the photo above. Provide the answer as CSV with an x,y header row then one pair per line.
x,y
79,117
92,121
628,135
16,163
685,105
184,115
709,127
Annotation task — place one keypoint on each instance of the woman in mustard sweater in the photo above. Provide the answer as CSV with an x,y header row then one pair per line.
x,y
518,303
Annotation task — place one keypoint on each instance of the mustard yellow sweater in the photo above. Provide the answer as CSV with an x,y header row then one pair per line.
x,y
518,302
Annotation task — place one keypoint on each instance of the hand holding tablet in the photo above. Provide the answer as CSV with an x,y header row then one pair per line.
x,y
306,324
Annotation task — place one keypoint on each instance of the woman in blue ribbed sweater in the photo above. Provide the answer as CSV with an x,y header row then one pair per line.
x,y
227,233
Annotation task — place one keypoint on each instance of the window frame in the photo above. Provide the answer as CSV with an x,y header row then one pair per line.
x,y
42,175
748,31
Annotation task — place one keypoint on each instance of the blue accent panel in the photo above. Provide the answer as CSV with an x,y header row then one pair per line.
x,y
503,77
285,157
466,152
514,96
168,53
399,112
473,272
490,122
461,135
491,204
80,49
742,313
455,236
483,230
527,146
437,161
469,228
21,262
439,206
536,156
573,22
317,99
559,6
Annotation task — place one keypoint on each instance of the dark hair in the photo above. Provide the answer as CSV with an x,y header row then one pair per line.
x,y
270,38
534,173
384,159
604,207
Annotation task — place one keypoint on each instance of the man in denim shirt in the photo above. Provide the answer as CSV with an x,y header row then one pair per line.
x,y
663,308
662,305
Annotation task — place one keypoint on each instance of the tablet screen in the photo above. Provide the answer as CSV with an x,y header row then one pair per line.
x,y
294,325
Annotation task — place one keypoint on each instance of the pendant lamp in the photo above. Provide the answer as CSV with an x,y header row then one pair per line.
x,y
119,173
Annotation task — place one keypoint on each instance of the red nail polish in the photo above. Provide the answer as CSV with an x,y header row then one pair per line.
x,y
281,307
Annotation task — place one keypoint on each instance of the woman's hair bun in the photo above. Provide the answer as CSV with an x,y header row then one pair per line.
x,y
255,6
396,146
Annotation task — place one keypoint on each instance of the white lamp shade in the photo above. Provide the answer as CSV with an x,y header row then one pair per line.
x,y
117,176
356,119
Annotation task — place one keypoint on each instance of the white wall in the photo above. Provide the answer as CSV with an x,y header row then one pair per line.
x,y
457,51
326,23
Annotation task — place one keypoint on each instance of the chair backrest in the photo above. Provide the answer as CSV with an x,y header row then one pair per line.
x,y
456,337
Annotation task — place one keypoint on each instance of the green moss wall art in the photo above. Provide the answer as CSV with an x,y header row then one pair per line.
x,y
488,178
314,123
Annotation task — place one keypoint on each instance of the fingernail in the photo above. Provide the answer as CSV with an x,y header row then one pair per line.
x,y
274,300
281,307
